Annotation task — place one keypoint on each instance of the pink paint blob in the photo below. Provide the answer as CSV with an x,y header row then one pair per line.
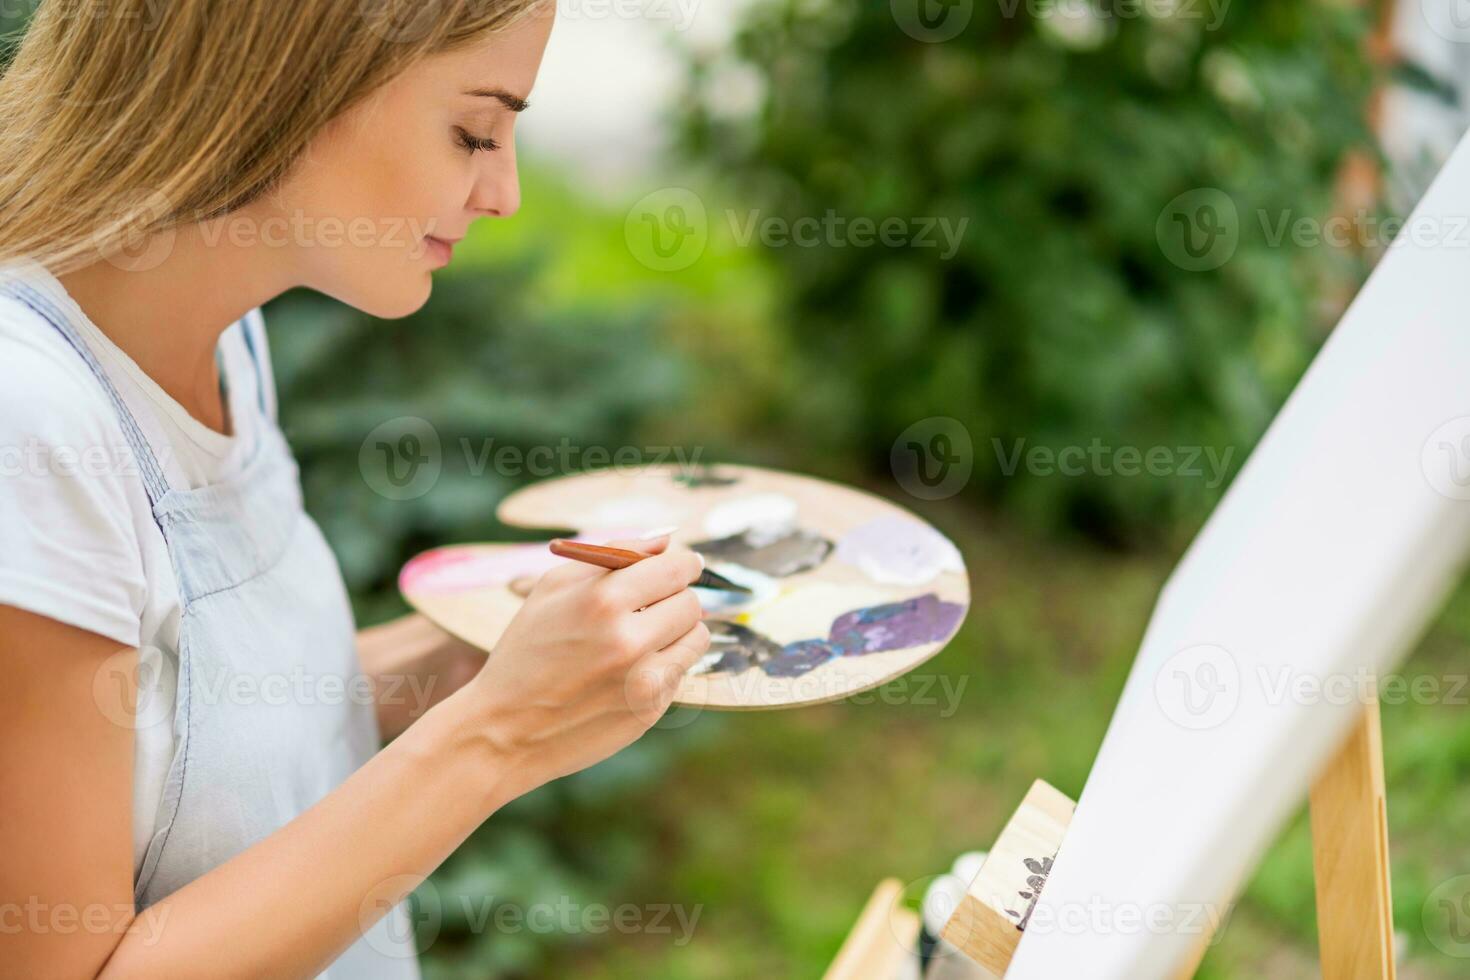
x,y
467,568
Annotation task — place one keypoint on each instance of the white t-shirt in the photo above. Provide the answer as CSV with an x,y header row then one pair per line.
x,y
78,542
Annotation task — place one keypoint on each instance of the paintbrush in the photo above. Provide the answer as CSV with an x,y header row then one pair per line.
x,y
605,557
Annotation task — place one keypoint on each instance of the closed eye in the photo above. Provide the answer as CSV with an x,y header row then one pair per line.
x,y
476,144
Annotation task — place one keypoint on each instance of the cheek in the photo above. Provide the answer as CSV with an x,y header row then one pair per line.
x,y
378,169
431,186
405,183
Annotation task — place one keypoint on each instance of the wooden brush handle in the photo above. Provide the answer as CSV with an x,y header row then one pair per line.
x,y
596,554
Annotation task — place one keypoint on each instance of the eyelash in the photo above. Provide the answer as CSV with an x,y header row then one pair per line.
x,y
476,144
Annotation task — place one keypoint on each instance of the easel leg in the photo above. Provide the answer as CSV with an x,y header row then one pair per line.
x,y
1350,855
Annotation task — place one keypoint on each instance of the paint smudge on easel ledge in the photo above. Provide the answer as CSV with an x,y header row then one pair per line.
x,y
873,629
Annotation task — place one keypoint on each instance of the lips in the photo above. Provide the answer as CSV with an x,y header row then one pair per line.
x,y
441,249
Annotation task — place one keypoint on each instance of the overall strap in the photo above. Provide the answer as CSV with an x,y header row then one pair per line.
x,y
154,482
255,345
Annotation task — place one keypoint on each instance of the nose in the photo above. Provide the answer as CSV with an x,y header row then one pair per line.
x,y
497,191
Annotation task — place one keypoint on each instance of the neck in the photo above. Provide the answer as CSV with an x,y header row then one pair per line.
x,y
168,317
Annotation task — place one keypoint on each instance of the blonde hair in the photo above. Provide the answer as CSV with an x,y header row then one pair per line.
x,y
122,119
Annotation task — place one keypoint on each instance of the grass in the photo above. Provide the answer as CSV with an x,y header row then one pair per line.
x,y
775,827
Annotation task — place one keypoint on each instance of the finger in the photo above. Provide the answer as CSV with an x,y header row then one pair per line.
x,y
571,570
655,680
656,578
650,546
666,620
673,661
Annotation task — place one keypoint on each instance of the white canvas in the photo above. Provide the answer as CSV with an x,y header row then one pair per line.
x,y
1326,558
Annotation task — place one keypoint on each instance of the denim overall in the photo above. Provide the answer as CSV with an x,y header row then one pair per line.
x,y
267,715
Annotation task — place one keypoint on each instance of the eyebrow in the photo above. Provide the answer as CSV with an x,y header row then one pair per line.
x,y
512,102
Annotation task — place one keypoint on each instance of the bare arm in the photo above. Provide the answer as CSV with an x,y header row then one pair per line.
x,y
414,665
578,676
66,768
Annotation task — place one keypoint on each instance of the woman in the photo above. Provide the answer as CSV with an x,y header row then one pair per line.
x,y
176,638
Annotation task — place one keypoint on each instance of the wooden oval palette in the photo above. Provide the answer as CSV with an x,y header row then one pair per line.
x,y
848,590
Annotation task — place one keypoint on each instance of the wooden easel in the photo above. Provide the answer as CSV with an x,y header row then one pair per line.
x,y
1350,860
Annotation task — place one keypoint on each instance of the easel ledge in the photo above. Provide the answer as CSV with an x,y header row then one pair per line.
x,y
1350,861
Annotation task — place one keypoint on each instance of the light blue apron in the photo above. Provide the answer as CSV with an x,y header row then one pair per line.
x,y
270,712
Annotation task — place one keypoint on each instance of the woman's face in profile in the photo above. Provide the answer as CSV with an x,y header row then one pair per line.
x,y
379,197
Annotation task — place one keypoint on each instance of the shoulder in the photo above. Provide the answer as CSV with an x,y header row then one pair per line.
x,y
71,499
47,391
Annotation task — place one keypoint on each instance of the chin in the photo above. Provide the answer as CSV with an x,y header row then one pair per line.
x,y
389,299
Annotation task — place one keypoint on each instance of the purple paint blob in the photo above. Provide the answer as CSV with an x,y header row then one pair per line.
x,y
873,629
895,626
798,658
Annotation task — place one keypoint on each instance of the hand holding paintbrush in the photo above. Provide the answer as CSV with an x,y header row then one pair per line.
x,y
614,558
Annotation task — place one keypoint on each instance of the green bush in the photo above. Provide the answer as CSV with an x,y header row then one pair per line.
x,y
1060,320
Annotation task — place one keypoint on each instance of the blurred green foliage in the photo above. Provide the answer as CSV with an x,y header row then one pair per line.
x,y
1060,320
1061,140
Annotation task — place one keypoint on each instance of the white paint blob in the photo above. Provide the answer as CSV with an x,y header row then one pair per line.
x,y
763,588
767,511
638,510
